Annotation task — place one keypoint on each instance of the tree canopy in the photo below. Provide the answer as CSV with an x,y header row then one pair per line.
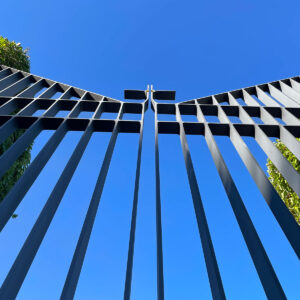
x,y
286,193
13,55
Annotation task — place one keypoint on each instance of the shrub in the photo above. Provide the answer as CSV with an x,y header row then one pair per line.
x,y
13,55
286,193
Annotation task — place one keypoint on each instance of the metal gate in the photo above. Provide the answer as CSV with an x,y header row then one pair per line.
x,y
277,104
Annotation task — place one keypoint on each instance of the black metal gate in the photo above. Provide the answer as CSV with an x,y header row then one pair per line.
x,y
280,99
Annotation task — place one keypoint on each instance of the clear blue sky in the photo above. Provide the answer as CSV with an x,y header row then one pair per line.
x,y
197,48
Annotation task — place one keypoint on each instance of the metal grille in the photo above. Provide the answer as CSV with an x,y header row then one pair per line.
x,y
18,103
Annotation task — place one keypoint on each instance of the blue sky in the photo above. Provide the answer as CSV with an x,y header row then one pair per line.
x,y
197,48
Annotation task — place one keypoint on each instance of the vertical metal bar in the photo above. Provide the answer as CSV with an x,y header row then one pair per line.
x,y
289,140
260,259
280,162
281,97
277,206
4,73
232,100
295,84
18,271
249,99
33,89
9,156
18,86
81,247
127,289
51,90
285,136
19,146
159,248
215,280
289,118
8,107
10,80
66,93
11,125
8,128
16,194
264,98
290,92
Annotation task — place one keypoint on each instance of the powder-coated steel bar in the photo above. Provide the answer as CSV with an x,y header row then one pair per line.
x,y
260,259
277,206
81,247
215,280
128,278
159,248
17,274
14,197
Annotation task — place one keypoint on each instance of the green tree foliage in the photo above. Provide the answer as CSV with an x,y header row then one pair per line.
x,y
286,193
13,55
17,169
